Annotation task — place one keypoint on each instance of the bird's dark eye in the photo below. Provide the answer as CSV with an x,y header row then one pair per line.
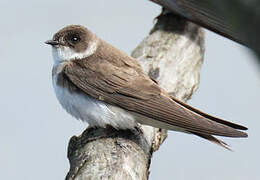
x,y
75,39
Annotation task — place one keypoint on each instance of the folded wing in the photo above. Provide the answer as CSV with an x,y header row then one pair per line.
x,y
126,85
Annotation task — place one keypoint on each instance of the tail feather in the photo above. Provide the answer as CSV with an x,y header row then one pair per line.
x,y
214,140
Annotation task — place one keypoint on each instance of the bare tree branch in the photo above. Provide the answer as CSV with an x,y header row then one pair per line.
x,y
172,55
238,20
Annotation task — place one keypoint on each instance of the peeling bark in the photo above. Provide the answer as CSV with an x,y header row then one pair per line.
x,y
172,55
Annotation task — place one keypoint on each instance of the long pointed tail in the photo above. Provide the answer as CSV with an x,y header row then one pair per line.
x,y
214,140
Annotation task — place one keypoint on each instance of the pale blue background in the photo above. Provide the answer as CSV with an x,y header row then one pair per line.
x,y
34,130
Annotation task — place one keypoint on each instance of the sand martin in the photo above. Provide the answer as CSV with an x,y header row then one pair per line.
x,y
97,83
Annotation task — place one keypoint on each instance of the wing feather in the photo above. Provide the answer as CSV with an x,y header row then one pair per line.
x,y
230,124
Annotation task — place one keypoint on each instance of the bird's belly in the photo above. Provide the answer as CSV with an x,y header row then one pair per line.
x,y
95,112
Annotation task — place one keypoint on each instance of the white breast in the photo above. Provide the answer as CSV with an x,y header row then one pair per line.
x,y
82,106
93,111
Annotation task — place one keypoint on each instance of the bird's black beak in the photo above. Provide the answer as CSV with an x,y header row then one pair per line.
x,y
52,42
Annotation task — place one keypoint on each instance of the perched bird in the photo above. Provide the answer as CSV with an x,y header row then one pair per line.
x,y
99,84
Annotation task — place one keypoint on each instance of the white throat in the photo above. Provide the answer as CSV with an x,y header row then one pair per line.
x,y
64,53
